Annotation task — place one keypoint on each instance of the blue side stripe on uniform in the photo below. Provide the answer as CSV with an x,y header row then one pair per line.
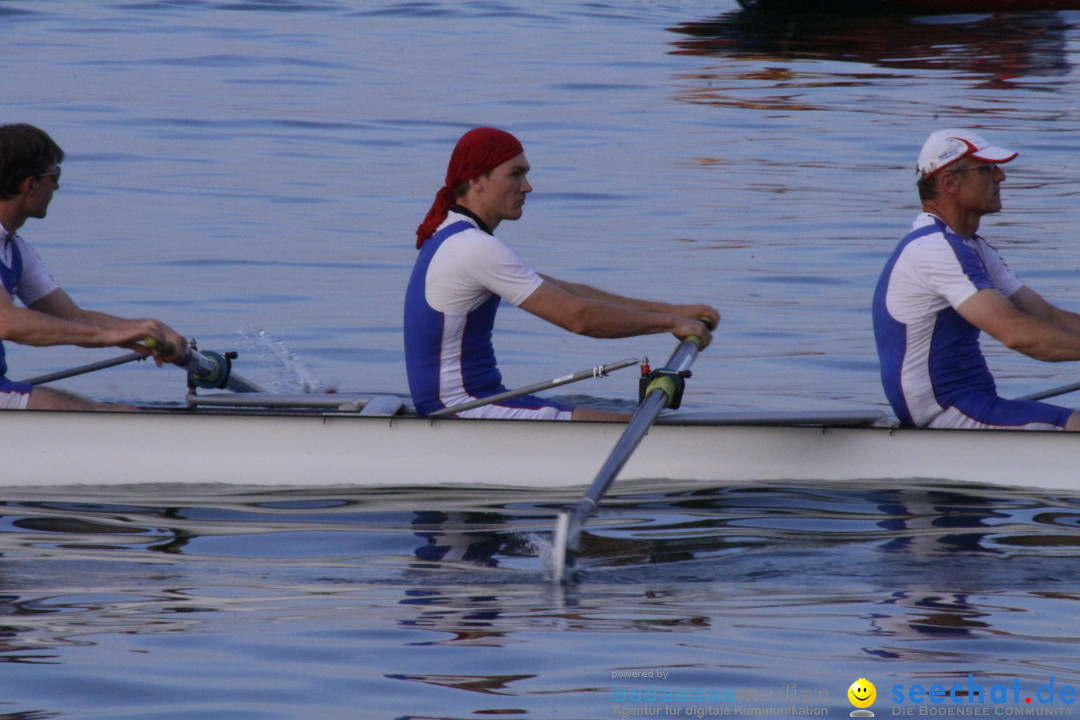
x,y
10,278
890,334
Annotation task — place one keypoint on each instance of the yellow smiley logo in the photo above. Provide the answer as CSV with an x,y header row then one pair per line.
x,y
862,693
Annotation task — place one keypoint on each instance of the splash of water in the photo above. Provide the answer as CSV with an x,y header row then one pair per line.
x,y
290,373
546,549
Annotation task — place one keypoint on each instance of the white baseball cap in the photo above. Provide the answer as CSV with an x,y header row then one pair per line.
x,y
945,147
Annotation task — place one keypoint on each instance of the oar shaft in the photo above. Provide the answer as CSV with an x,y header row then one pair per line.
x,y
206,367
200,364
685,354
83,369
633,435
656,400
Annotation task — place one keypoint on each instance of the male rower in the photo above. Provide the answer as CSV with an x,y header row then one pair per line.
x,y
463,271
29,174
944,284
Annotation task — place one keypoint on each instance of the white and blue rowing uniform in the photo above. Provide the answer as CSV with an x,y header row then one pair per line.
x,y
24,276
460,276
932,366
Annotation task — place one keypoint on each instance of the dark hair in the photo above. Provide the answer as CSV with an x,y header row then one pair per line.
x,y
25,151
928,189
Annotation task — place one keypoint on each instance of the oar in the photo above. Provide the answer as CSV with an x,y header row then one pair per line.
x,y
83,369
1052,392
596,372
211,370
91,367
208,370
664,390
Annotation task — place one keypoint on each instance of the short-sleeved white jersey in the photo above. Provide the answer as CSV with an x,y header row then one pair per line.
x,y
35,281
929,354
457,282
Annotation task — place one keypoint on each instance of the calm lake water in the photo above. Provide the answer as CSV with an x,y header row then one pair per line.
x,y
252,172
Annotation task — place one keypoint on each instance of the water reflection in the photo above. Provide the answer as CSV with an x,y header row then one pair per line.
x,y
916,558
459,537
486,684
995,49
930,613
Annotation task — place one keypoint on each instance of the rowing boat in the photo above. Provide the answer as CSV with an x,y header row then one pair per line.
x,y
341,445
937,7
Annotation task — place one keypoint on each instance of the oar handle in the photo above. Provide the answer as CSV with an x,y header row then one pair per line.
x,y
696,340
166,348
708,323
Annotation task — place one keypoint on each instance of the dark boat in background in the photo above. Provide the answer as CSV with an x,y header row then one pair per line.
x,y
994,49
914,6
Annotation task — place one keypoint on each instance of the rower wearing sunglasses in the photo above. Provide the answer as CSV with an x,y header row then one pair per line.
x,y
29,175
944,284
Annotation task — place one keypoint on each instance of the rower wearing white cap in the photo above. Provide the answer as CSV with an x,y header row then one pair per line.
x,y
944,284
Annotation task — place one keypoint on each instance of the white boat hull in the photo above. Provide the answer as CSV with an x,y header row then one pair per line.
x,y
300,450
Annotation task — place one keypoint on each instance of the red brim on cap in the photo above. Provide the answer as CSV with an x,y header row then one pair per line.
x,y
993,155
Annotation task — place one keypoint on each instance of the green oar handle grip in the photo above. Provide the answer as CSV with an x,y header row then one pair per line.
x,y
694,338
166,348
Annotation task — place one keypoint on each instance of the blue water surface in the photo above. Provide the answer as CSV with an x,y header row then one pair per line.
x,y
252,173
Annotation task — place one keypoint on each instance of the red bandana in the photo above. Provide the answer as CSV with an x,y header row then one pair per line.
x,y
478,151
